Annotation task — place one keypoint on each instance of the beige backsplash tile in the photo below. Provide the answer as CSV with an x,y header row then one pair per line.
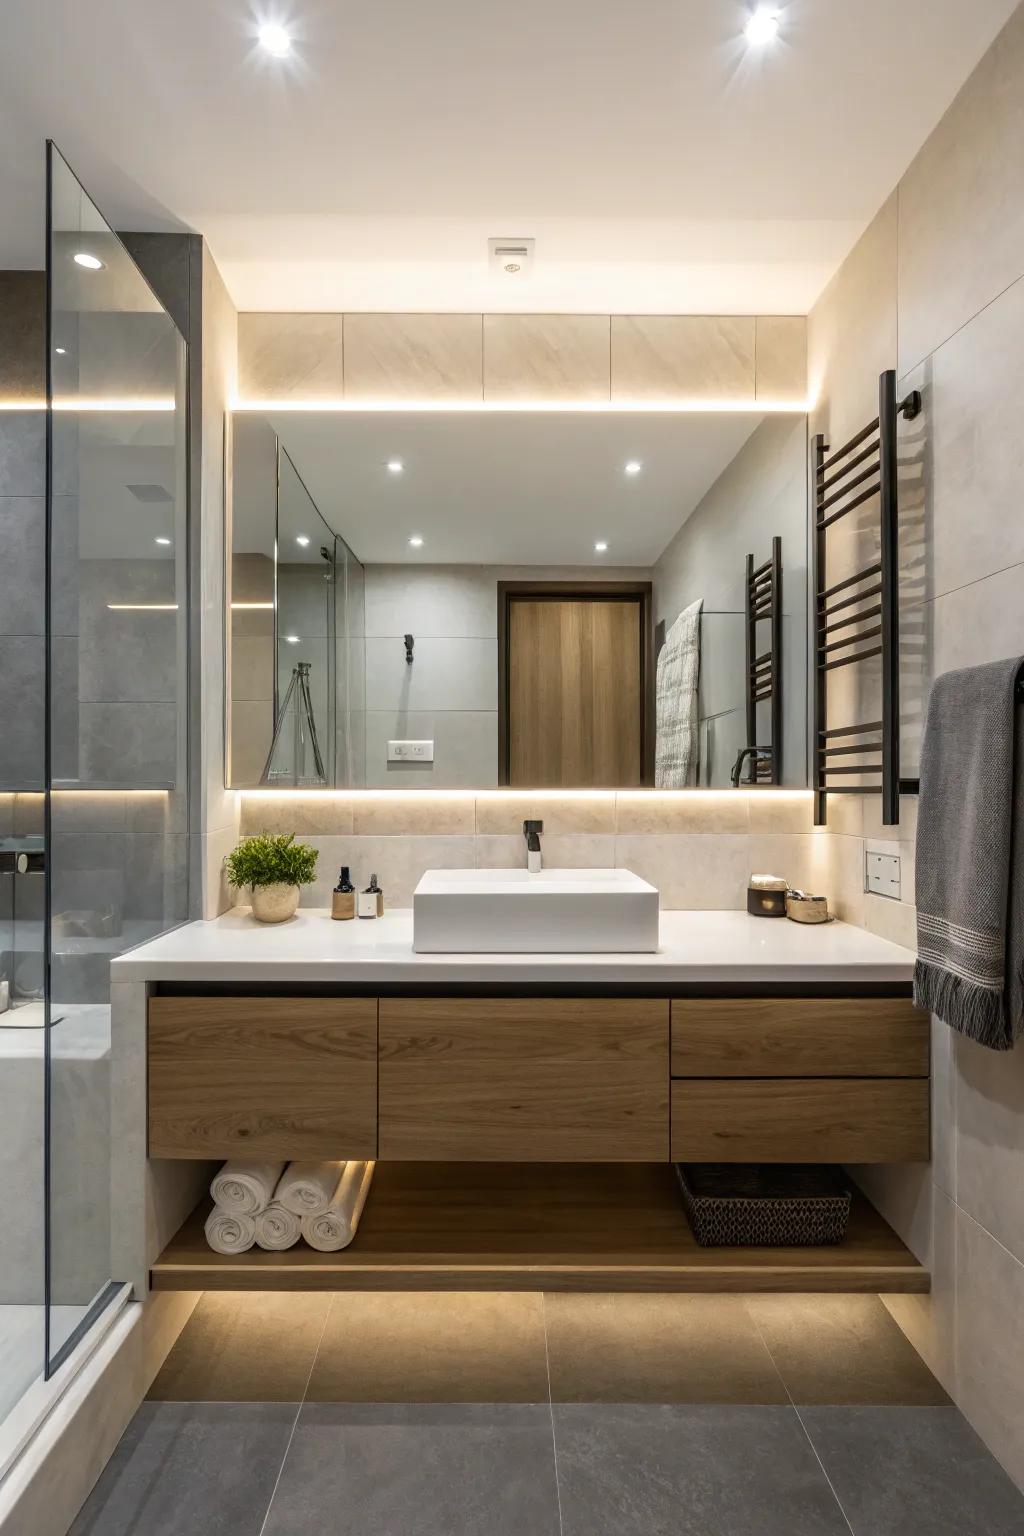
x,y
780,811
646,811
425,815
505,811
893,920
691,871
320,815
398,863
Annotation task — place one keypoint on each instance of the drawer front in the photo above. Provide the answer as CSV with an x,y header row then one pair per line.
x,y
800,1120
799,1037
263,1077
524,1080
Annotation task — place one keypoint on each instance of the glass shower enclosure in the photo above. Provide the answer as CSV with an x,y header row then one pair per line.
x,y
94,763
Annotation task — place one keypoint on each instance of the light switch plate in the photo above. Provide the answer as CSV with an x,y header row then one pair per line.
x,y
410,751
882,874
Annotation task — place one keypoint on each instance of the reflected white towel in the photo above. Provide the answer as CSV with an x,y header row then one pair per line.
x,y
245,1189
308,1188
227,1232
336,1227
676,702
277,1228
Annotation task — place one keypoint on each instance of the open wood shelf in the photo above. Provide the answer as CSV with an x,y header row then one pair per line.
x,y
540,1226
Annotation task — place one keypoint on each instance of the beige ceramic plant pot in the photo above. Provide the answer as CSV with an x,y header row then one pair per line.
x,y
274,903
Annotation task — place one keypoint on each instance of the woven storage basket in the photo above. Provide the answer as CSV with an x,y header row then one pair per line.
x,y
765,1205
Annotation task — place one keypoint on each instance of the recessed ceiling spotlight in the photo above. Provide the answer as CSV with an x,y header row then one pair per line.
x,y
60,351
292,639
87,259
633,467
416,541
601,546
395,466
302,538
275,40
763,26
160,540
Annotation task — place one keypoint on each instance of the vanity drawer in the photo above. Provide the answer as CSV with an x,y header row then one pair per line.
x,y
524,1079
800,1120
269,1077
799,1037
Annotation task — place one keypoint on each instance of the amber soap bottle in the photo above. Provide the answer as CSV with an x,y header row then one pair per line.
x,y
343,897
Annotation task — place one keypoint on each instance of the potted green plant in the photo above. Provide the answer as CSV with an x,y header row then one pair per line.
x,y
273,868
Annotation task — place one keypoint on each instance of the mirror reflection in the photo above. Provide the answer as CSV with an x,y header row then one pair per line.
x,y
467,599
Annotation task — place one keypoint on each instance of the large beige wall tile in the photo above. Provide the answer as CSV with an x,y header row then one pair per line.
x,y
691,870
416,815
682,357
646,811
286,357
413,357
973,455
990,1140
398,862
305,815
780,359
504,812
990,1342
961,203
546,357
929,1321
851,333
978,623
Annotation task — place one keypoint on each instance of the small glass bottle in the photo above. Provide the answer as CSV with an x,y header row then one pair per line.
x,y
343,897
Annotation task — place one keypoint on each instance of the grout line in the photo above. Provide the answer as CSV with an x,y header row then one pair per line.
x,y
298,1410
799,1419
551,1407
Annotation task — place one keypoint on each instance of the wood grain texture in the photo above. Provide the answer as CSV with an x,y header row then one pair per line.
x,y
575,693
531,1079
263,1077
541,1226
800,1120
799,1037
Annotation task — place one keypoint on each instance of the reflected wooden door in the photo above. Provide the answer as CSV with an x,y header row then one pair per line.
x,y
575,691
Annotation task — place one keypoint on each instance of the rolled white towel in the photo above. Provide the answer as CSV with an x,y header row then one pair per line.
x,y
228,1232
277,1228
245,1189
308,1188
336,1227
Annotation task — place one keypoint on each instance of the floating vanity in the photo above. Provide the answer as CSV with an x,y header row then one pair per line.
x,y
525,1110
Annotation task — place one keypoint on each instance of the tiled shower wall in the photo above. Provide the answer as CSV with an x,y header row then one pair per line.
x,y
698,848
935,288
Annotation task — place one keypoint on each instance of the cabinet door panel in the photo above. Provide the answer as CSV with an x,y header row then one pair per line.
x,y
799,1037
524,1080
269,1077
800,1120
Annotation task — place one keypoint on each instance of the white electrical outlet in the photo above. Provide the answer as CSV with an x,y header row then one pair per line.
x,y
882,874
410,751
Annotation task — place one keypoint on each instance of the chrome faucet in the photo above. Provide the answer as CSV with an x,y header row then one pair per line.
x,y
532,831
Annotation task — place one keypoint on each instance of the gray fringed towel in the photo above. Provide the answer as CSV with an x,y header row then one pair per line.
x,y
970,855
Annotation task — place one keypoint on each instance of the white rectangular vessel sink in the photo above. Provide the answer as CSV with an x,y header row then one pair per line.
x,y
558,911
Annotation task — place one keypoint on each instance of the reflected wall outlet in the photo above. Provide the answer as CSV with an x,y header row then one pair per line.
x,y
410,751
882,874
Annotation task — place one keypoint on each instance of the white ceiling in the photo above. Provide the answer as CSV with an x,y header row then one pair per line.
x,y
659,163
509,489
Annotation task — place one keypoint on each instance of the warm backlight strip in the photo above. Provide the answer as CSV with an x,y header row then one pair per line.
x,y
527,794
694,406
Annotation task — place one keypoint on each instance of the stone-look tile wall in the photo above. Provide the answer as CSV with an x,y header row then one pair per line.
x,y
622,358
698,848
935,288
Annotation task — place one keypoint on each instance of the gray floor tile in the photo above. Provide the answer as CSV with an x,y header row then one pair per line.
x,y
185,1468
914,1472
435,1469
669,1470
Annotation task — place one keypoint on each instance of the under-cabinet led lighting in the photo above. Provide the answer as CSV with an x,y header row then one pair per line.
x,y
143,607
88,260
670,407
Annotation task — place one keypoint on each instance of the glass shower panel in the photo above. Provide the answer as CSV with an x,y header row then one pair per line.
x,y
117,651
304,712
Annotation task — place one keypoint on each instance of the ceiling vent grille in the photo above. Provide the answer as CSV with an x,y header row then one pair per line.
x,y
512,257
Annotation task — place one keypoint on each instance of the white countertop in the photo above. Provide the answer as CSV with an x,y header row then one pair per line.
x,y
695,947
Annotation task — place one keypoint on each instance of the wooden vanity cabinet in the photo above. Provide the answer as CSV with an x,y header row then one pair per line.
x,y
263,1077
524,1079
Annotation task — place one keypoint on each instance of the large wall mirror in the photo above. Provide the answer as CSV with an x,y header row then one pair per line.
x,y
469,599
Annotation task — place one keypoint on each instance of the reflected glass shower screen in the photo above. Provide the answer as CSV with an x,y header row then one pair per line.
x,y
116,801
